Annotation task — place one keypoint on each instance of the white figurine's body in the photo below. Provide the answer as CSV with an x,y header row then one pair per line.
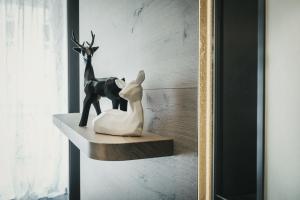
x,y
117,122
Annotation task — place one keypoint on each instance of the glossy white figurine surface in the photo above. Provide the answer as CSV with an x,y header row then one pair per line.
x,y
122,123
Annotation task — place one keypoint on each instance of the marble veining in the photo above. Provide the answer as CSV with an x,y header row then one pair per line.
x,y
158,36
161,38
173,177
137,13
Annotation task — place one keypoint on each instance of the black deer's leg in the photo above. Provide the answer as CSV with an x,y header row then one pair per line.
x,y
96,105
123,104
115,103
88,100
86,109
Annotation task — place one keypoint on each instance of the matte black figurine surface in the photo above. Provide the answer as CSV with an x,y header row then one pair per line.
x,y
95,88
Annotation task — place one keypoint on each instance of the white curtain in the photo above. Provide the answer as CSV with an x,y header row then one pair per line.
x,y
33,87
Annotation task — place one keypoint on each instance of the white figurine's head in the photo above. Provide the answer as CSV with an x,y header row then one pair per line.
x,y
133,91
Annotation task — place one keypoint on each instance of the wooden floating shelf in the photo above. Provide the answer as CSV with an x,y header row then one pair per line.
x,y
112,148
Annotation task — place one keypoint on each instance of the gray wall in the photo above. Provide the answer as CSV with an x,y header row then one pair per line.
x,y
161,37
282,100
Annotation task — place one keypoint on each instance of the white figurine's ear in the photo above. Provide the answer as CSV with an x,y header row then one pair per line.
x,y
120,83
140,78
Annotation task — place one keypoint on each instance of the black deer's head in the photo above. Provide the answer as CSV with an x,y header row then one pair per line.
x,y
86,51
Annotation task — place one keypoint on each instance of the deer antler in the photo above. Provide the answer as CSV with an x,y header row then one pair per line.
x,y
74,39
93,38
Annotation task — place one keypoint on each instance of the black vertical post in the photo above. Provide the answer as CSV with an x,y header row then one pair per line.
x,y
217,163
73,97
260,100
239,99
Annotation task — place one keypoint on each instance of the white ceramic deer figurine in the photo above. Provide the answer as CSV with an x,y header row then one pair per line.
x,y
124,123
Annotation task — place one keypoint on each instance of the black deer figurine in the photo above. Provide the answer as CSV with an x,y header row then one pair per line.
x,y
95,88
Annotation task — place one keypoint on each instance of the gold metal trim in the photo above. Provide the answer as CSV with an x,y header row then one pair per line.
x,y
205,99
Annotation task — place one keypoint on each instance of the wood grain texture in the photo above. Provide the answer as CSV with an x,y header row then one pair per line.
x,y
205,98
172,112
107,147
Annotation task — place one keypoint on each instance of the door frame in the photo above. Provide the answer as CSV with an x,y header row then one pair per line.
x,y
205,99
208,104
